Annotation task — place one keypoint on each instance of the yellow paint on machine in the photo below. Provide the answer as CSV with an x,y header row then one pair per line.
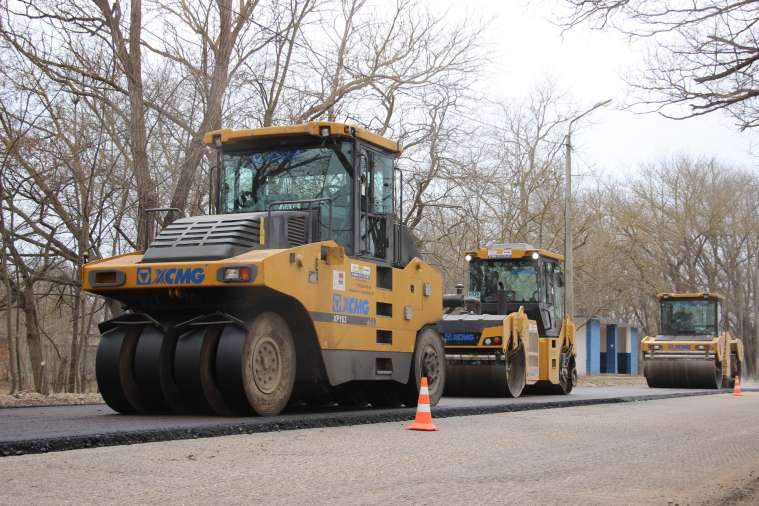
x,y
312,129
341,294
543,353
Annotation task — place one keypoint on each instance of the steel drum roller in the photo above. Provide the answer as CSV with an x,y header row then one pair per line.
x,y
467,380
683,373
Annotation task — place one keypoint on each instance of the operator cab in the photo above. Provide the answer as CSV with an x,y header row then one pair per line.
x,y
504,277
281,187
694,315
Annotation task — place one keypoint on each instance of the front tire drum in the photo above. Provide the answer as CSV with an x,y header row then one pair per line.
x,y
229,368
268,363
153,370
113,369
194,363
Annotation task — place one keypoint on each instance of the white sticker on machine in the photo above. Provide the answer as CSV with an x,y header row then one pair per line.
x,y
338,280
499,253
361,272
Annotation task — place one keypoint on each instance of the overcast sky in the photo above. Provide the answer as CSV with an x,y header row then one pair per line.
x,y
526,48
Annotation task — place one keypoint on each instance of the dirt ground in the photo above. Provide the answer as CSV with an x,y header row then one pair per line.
x,y
610,380
23,399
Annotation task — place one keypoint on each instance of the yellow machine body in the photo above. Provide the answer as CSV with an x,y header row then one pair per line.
x,y
478,343
339,294
692,358
303,282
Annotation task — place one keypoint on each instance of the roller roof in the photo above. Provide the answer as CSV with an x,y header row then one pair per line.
x,y
513,250
690,295
315,129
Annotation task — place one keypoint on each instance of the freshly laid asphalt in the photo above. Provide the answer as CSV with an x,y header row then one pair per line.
x,y
701,450
56,428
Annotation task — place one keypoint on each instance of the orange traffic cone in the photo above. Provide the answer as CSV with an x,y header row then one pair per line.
x,y
737,389
423,419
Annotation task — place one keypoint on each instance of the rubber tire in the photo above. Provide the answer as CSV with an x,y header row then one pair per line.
x,y
428,341
113,370
270,329
194,364
153,371
516,381
565,388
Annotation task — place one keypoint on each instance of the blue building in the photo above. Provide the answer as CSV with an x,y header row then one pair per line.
x,y
605,346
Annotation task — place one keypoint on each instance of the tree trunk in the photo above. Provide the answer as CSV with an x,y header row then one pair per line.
x,y
33,337
215,101
75,344
756,321
12,348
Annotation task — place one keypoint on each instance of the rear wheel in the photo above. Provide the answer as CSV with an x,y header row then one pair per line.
x,y
567,378
269,364
428,361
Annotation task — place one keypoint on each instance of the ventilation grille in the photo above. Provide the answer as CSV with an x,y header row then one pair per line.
x,y
240,233
296,230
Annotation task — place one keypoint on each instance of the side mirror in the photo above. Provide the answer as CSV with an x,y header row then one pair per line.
x,y
560,278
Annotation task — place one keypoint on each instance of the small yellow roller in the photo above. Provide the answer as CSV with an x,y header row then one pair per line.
x,y
692,349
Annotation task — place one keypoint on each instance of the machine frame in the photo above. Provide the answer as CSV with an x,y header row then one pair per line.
x,y
210,287
495,330
688,358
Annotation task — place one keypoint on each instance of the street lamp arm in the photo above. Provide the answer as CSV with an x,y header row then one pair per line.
x,y
596,106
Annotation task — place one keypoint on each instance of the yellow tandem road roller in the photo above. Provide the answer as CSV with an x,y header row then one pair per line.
x,y
692,349
303,286
509,331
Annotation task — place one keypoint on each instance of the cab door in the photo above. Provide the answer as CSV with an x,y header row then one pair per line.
x,y
552,308
376,204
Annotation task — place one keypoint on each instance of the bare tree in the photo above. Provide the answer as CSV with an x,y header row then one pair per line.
x,y
704,57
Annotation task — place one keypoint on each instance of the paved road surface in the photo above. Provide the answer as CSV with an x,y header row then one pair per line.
x,y
41,429
696,450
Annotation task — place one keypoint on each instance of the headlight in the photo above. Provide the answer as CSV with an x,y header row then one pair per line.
x,y
237,274
468,258
488,341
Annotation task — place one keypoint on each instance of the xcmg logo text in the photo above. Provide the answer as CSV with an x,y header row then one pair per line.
x,y
170,276
350,305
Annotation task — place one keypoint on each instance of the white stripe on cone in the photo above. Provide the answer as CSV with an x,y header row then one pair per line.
x,y
424,390
423,408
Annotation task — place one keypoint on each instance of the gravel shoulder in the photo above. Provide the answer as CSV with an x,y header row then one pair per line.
x,y
656,452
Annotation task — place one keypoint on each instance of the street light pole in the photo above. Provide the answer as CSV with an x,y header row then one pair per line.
x,y
569,288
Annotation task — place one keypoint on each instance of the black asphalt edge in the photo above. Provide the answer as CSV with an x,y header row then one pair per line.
x,y
289,422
